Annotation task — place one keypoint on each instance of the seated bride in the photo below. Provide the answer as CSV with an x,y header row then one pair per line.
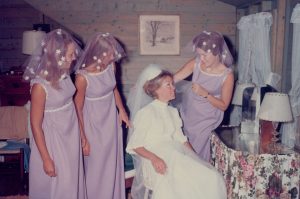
x,y
163,158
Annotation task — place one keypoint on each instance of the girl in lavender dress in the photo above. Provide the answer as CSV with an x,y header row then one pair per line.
x,y
97,100
56,165
203,104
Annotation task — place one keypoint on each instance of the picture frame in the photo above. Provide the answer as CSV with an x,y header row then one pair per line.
x,y
159,34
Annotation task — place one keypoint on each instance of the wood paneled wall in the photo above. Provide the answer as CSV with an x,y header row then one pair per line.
x,y
120,17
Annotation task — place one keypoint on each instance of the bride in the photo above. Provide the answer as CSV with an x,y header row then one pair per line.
x,y
164,160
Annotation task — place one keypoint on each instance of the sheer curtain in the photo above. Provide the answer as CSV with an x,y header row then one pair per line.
x,y
254,61
290,136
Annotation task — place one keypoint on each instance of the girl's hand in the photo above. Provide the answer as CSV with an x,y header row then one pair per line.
x,y
123,117
159,165
86,148
199,90
49,168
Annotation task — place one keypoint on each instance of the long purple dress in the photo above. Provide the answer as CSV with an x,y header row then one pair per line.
x,y
62,136
104,166
199,116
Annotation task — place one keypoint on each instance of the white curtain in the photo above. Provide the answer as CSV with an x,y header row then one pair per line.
x,y
289,130
254,60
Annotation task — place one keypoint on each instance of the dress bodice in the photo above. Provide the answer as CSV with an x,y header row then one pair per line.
x,y
59,97
99,84
211,82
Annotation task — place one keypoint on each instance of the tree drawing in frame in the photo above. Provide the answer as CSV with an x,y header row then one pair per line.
x,y
159,35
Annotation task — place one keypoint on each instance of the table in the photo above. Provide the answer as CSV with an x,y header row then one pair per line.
x,y
254,174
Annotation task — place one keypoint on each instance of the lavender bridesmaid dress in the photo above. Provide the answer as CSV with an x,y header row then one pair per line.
x,y
104,166
199,116
62,136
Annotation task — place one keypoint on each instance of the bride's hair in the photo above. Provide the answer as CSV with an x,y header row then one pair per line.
x,y
152,85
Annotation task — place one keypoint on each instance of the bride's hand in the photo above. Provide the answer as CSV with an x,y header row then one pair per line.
x,y
159,165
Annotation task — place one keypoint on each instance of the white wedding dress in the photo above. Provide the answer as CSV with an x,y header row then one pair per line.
x,y
157,127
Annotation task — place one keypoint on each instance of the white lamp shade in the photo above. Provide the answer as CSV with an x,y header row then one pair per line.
x,y
275,107
238,93
31,39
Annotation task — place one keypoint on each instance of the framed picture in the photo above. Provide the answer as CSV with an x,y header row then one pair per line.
x,y
159,34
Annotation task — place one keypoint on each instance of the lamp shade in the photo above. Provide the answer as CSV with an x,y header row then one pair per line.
x,y
238,93
31,39
275,107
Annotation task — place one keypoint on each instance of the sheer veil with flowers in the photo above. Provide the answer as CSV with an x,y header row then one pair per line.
x,y
48,59
138,99
101,50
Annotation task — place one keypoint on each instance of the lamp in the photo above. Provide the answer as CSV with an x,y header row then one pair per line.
x,y
31,39
276,108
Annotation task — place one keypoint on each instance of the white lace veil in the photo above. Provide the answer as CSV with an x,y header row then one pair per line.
x,y
137,99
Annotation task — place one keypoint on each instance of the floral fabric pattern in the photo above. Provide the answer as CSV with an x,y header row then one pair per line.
x,y
261,176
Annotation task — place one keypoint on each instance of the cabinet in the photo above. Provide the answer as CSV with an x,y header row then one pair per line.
x,y
13,179
12,162
14,91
